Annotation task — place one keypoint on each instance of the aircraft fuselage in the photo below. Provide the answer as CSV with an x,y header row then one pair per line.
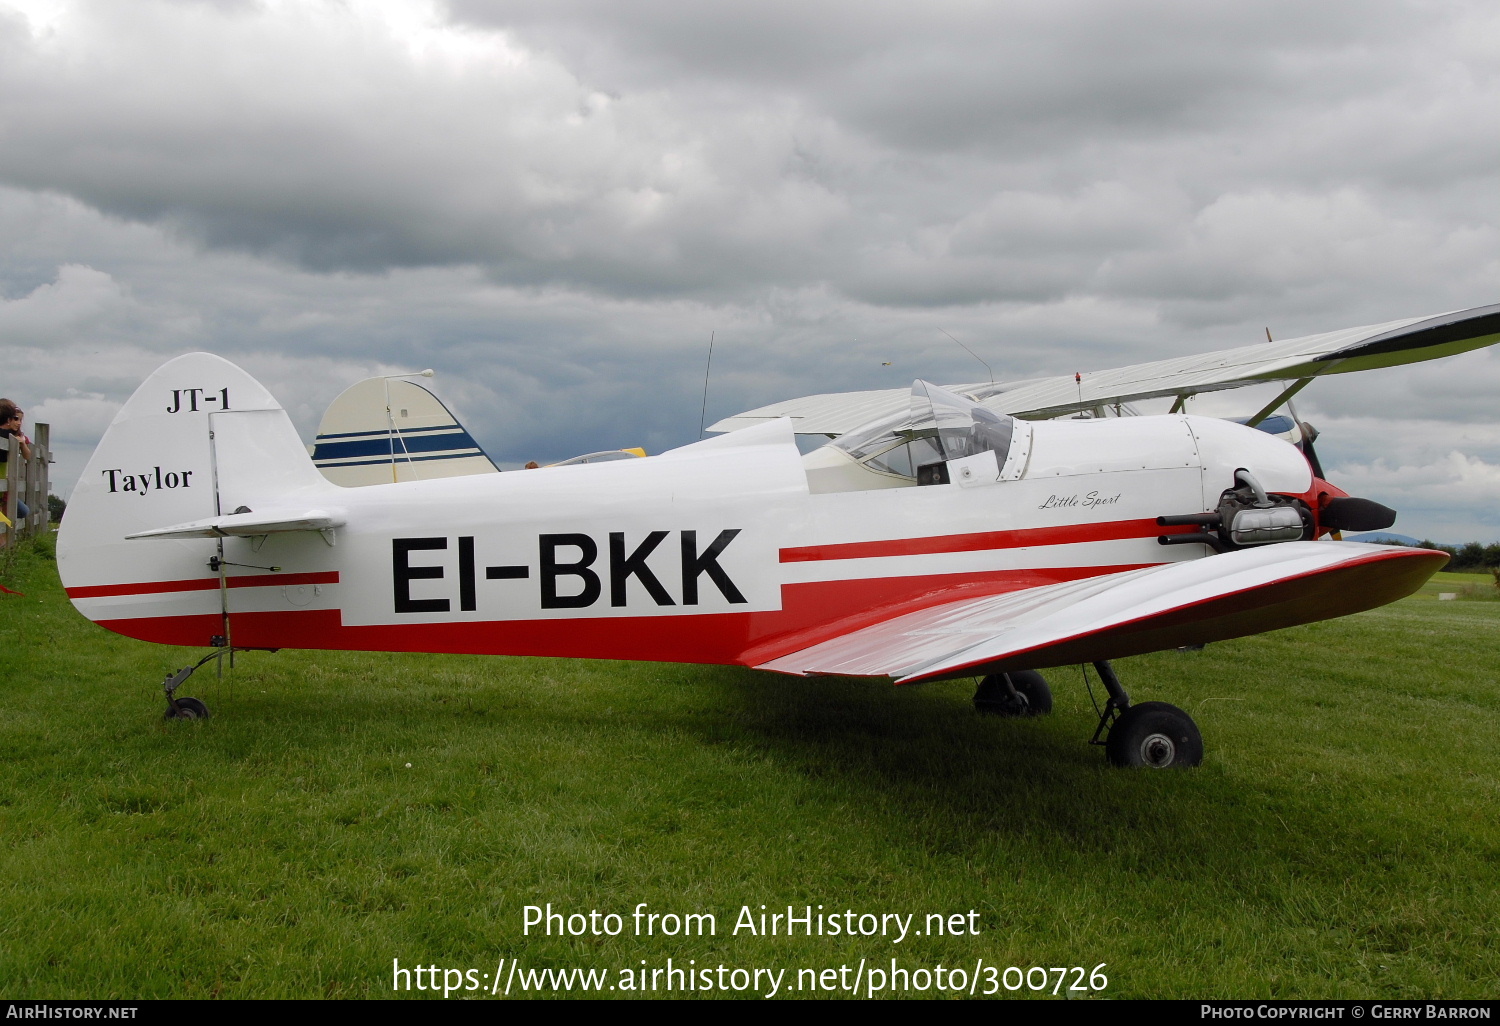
x,y
717,553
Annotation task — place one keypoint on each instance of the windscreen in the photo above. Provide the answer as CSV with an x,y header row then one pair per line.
x,y
964,427
892,445
939,425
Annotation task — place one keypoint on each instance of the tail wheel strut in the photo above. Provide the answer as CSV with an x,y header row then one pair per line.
x,y
186,708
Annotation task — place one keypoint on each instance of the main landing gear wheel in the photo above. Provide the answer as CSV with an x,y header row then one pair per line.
x,y
186,709
1026,695
1154,734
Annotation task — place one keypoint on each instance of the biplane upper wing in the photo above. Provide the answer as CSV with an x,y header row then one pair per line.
x,y
1231,595
1334,352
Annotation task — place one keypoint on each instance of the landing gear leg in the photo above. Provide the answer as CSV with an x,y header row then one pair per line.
x,y
1114,706
1152,734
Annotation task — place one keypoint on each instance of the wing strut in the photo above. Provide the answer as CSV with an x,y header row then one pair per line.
x,y
1271,407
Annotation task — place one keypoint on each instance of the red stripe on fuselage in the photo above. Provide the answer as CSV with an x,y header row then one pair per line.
x,y
203,584
810,613
1115,530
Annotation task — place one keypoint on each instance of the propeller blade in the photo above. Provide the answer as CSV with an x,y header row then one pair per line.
x,y
1351,514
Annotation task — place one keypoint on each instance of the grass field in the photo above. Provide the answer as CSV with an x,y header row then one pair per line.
x,y
1342,838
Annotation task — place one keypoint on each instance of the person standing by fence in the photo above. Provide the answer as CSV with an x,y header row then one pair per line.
x,y
10,425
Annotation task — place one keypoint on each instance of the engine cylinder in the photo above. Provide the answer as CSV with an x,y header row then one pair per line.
x,y
1261,526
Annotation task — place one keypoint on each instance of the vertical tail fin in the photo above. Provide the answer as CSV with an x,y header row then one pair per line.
x,y
198,439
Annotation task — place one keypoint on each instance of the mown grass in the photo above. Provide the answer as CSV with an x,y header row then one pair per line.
x,y
1342,838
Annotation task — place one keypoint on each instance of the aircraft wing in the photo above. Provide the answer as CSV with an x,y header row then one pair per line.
x,y
1215,598
249,525
1334,352
831,413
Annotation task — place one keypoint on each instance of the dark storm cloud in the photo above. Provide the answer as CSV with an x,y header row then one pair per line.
x,y
668,149
322,138
960,74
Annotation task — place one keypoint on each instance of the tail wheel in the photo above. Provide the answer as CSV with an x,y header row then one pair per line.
x,y
186,709
1155,735
1028,694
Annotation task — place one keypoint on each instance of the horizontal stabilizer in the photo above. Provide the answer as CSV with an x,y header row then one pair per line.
x,y
249,525
1215,598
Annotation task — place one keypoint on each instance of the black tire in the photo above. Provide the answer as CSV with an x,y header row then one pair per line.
x,y
1155,735
993,698
187,709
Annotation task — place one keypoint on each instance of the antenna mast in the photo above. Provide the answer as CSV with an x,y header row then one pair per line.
x,y
703,413
973,354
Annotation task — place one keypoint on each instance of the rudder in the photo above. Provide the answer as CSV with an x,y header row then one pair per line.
x,y
200,437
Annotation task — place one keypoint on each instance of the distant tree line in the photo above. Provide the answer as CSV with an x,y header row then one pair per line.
x,y
1470,557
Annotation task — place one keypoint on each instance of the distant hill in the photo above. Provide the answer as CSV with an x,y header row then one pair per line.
x,y
1386,536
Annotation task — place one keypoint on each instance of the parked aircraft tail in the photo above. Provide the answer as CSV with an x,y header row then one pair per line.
x,y
381,430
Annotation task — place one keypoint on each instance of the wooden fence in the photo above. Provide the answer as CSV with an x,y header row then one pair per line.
x,y
26,481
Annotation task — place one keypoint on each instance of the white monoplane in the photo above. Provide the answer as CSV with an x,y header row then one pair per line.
x,y
937,536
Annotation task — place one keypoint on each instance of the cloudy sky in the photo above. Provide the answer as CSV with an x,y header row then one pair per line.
x,y
555,203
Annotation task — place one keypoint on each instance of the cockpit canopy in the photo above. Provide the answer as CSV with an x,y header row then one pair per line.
x,y
939,425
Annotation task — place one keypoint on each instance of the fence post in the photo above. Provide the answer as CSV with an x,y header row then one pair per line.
x,y
39,474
